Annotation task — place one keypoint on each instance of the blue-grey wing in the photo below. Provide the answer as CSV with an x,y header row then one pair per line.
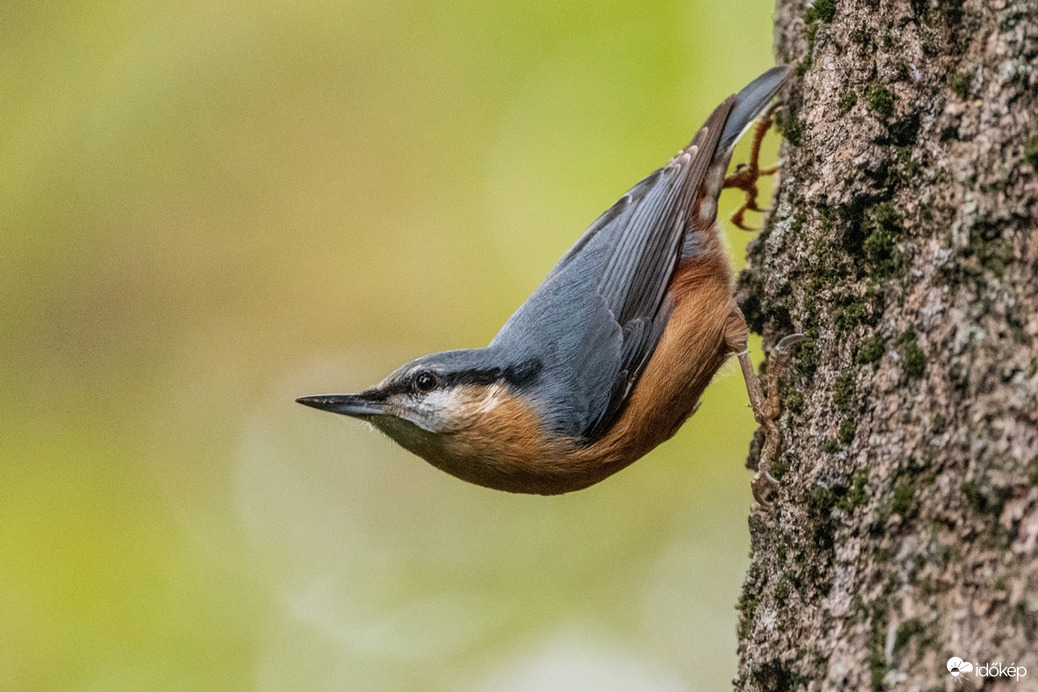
x,y
596,319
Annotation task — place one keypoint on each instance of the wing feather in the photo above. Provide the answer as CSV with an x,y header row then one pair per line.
x,y
596,319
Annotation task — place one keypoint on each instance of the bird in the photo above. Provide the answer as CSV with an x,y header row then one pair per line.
x,y
610,354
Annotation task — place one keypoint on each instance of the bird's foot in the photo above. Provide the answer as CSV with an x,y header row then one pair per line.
x,y
766,409
747,174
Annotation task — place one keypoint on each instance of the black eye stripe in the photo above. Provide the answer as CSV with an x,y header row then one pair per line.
x,y
516,376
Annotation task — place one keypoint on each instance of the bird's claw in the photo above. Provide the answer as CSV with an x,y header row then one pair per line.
x,y
747,174
763,483
781,349
766,408
737,220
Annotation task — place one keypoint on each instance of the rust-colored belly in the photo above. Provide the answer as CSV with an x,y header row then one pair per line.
x,y
692,349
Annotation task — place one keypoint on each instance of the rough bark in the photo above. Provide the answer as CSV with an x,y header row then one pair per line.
x,y
904,244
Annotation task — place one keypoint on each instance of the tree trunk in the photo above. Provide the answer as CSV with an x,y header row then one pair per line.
x,y
904,244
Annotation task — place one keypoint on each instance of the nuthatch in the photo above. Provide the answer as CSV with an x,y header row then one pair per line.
x,y
609,356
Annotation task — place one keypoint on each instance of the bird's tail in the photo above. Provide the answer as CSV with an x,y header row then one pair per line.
x,y
742,109
749,103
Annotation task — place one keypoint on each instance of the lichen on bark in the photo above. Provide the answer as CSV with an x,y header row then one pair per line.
x,y
904,245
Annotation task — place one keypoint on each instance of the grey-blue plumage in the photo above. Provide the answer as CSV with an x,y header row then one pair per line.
x,y
595,320
573,352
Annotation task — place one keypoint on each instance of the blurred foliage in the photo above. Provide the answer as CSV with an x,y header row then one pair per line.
x,y
209,209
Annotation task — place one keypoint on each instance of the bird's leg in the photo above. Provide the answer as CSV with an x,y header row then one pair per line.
x,y
766,409
747,174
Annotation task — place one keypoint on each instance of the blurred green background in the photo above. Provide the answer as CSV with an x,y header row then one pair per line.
x,y
209,209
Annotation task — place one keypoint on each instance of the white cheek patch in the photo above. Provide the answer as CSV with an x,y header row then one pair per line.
x,y
441,410
433,412
439,400
444,410
454,408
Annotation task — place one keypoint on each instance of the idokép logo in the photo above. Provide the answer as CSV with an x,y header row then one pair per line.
x,y
960,669
957,667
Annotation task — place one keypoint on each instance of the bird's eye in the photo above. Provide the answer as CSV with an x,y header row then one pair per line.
x,y
425,382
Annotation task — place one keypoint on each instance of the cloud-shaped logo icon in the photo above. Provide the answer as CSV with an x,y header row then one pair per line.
x,y
956,666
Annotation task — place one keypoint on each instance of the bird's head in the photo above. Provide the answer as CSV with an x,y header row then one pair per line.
x,y
455,409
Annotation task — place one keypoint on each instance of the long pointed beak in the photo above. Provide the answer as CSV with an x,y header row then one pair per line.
x,y
346,404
